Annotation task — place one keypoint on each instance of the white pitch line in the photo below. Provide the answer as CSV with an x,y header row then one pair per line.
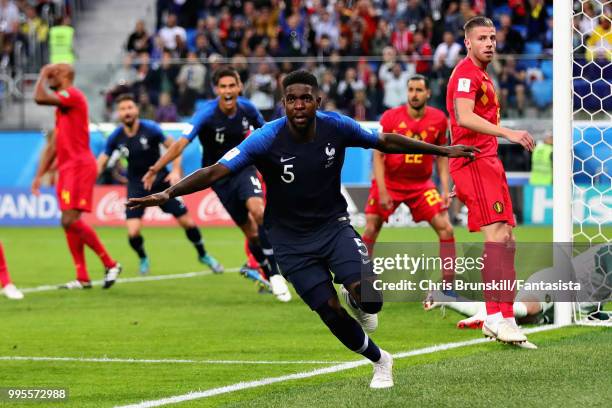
x,y
45,288
162,361
307,374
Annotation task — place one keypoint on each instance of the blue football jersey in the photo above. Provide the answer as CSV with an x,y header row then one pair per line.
x,y
302,179
218,132
141,150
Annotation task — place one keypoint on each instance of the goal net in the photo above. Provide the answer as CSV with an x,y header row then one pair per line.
x,y
591,161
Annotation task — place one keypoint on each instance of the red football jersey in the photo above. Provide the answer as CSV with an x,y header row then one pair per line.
x,y
72,129
472,82
403,170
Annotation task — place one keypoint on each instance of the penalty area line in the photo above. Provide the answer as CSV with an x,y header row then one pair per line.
x,y
194,395
153,278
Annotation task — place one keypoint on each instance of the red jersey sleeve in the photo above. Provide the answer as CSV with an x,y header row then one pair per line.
x,y
386,122
68,99
468,83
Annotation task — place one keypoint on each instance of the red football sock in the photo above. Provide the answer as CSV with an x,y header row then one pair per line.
x,y
77,249
90,238
493,271
5,279
447,250
509,275
369,243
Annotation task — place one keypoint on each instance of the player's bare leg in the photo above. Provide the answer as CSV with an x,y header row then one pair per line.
x,y
136,241
195,237
499,250
263,251
444,229
374,223
79,234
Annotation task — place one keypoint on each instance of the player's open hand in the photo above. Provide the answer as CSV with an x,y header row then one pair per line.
x,y
386,203
35,188
521,137
149,178
148,201
462,151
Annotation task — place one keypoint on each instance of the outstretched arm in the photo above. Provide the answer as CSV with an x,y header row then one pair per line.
x,y
196,181
171,154
394,143
464,113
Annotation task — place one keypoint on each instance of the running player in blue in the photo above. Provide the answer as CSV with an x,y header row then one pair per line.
x,y
300,157
139,141
221,125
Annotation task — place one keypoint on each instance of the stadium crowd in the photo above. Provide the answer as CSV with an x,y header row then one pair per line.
x,y
26,29
360,51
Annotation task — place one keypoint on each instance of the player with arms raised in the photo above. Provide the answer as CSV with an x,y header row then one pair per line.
x,y
481,184
300,157
406,178
77,169
220,125
140,140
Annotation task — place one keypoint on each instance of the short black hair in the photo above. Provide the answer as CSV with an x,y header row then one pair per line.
x,y
225,72
300,77
124,97
419,77
478,21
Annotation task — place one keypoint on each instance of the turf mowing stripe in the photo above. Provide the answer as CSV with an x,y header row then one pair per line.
x,y
45,288
307,374
162,361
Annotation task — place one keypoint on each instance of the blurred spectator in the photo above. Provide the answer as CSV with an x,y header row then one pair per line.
x,y
324,24
401,37
34,26
214,35
347,88
329,86
261,88
61,39
234,36
588,21
122,81
392,14
395,84
446,56
512,80
361,108
293,34
421,54
161,79
190,82
9,18
513,41
166,112
202,47
381,38
536,21
599,44
374,94
170,31
414,14
147,110
181,49
139,40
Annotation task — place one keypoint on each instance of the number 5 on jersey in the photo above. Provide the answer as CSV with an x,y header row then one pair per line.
x,y
287,175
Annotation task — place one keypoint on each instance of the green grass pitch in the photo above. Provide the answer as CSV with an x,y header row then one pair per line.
x,y
222,317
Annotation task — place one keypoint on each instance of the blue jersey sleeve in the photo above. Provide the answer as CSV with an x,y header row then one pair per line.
x,y
198,121
253,113
111,144
356,134
257,144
